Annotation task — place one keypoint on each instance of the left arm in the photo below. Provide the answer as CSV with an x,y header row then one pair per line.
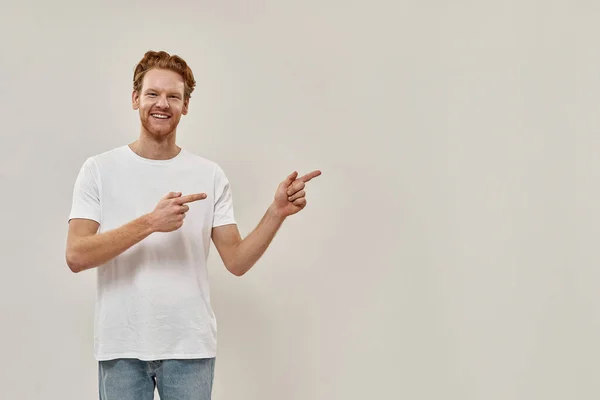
x,y
239,255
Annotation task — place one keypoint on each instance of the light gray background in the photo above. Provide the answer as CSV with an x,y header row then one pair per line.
x,y
447,251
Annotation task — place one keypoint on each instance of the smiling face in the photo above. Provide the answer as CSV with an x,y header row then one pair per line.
x,y
160,102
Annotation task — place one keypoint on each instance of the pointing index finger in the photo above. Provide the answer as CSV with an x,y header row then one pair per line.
x,y
310,176
191,198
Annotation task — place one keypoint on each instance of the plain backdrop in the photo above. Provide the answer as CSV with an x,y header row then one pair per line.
x,y
449,250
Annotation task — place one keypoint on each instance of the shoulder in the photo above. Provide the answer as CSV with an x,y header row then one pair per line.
x,y
94,162
93,166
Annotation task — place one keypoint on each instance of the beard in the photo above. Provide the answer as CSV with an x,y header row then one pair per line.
x,y
159,129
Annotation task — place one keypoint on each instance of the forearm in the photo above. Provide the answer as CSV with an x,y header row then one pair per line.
x,y
251,248
91,251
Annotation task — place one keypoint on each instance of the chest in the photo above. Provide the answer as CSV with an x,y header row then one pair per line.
x,y
133,193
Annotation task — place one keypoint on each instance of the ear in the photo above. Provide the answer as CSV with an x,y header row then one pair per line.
x,y
135,100
186,104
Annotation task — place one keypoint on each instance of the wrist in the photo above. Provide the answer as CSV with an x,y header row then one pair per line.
x,y
147,223
274,212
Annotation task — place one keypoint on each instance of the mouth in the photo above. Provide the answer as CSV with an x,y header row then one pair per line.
x,y
160,116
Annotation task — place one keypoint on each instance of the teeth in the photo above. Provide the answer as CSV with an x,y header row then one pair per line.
x,y
160,116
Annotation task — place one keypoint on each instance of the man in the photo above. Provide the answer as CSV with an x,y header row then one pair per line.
x,y
144,214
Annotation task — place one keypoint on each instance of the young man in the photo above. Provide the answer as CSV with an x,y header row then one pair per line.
x,y
144,214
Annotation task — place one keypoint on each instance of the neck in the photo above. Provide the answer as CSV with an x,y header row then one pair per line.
x,y
148,147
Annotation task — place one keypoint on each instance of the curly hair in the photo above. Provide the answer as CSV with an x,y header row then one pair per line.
x,y
164,60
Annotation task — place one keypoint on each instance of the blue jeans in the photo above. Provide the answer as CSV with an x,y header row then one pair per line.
x,y
133,379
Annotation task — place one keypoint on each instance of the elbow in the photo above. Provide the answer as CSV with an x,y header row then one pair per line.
x,y
235,270
74,262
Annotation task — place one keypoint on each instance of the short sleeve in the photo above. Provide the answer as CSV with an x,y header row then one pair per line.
x,y
86,193
223,207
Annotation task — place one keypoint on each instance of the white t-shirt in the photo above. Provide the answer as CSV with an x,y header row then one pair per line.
x,y
153,300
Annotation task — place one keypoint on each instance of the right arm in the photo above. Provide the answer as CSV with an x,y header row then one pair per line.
x,y
88,249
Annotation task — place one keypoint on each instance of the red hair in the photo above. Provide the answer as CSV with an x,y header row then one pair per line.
x,y
163,60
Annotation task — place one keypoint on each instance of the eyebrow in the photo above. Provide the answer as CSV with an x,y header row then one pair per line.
x,y
151,89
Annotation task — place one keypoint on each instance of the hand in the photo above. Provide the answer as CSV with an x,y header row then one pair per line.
x,y
290,196
170,211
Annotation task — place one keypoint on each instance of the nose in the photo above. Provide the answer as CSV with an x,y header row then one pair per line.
x,y
162,102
